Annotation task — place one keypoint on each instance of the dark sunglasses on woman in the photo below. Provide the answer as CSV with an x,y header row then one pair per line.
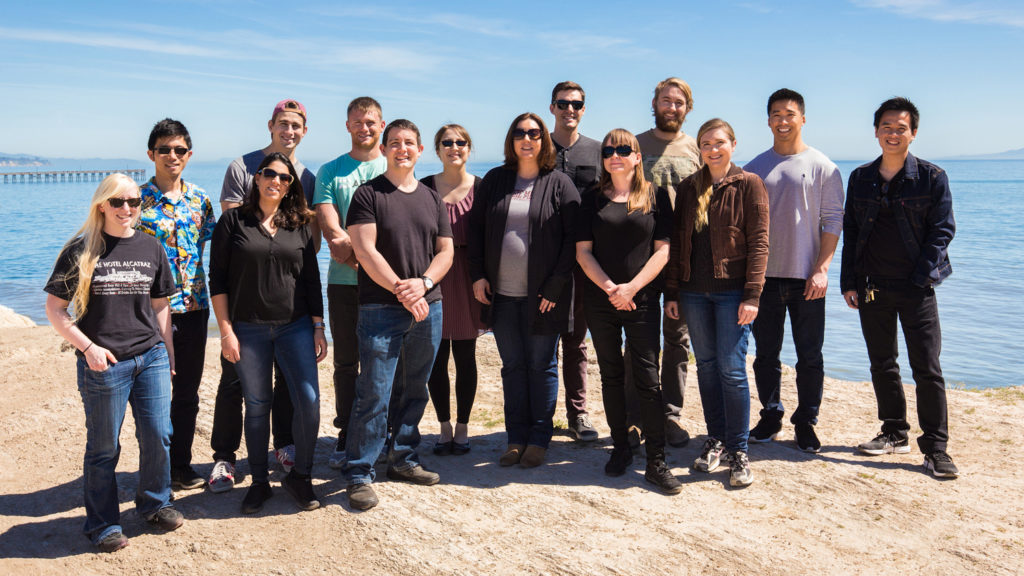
x,y
269,174
450,143
622,151
118,202
519,134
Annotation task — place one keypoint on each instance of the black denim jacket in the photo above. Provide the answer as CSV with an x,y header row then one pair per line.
x,y
923,206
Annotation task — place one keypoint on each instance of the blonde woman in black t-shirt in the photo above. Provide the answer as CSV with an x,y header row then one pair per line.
x,y
622,245
116,282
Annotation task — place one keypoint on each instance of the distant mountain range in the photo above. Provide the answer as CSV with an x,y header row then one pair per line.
x,y
1017,154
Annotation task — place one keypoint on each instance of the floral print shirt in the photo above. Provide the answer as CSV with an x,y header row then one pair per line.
x,y
181,227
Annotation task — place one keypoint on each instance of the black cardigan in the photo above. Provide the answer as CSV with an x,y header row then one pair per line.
x,y
554,206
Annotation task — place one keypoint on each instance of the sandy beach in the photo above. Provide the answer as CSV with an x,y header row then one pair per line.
x,y
832,513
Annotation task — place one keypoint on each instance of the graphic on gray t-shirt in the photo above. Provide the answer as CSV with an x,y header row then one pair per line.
x,y
515,244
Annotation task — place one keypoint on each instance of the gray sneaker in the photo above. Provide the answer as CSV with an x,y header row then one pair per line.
x,y
885,443
583,429
740,475
710,456
940,465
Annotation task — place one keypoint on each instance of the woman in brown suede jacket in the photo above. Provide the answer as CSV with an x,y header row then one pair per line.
x,y
715,273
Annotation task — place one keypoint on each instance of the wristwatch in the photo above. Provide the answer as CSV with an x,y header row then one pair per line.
x,y
427,282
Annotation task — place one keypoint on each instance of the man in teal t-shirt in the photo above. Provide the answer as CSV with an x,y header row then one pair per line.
x,y
336,182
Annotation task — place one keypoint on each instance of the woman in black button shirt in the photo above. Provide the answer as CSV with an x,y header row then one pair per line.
x,y
622,245
265,284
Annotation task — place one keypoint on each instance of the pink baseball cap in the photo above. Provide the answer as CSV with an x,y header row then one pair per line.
x,y
289,106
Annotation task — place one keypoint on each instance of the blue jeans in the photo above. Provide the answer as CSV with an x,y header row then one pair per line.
x,y
529,372
144,382
396,354
807,320
720,347
292,346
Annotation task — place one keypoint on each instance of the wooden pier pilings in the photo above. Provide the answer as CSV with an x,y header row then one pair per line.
x,y
139,175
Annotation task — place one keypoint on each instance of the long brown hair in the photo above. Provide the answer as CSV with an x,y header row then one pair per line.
x,y
641,192
546,157
704,181
293,211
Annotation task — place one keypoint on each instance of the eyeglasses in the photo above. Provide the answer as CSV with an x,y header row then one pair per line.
x,y
622,151
450,143
270,174
519,134
564,104
166,150
119,202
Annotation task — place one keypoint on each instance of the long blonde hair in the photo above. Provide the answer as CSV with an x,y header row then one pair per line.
x,y
704,182
90,236
641,192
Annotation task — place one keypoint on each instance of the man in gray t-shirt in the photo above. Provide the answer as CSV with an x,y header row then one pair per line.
x,y
805,194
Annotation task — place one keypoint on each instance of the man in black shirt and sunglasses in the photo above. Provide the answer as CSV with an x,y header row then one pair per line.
x,y
578,157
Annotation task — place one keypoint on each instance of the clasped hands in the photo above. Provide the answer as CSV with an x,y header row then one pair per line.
x,y
410,293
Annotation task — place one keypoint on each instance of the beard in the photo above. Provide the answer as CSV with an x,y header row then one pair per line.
x,y
667,124
370,146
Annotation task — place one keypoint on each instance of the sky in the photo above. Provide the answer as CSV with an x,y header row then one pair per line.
x,y
89,79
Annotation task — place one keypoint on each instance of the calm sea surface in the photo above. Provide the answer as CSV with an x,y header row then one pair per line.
x,y
983,337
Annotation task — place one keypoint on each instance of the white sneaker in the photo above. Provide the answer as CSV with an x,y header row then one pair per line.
x,y
286,457
222,478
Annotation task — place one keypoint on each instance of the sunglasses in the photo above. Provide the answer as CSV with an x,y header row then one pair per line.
x,y
119,202
622,151
166,150
564,104
519,134
450,143
270,174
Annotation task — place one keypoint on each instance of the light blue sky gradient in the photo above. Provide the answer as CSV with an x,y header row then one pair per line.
x,y
89,79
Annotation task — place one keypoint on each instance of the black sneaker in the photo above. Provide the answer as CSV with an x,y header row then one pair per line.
x,y
806,439
300,486
259,492
657,473
885,444
765,431
415,474
619,461
583,429
112,542
361,496
186,479
167,518
940,465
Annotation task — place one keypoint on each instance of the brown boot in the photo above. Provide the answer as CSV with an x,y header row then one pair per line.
x,y
533,457
512,455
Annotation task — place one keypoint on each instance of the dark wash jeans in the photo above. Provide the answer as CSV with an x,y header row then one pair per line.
x,y
641,327
343,309
189,334
226,436
807,321
529,372
918,314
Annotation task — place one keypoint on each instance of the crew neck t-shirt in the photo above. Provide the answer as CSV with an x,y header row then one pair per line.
x,y
623,241
668,162
515,244
130,273
336,182
242,170
408,226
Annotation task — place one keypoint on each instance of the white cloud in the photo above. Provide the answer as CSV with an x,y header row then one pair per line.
x,y
998,12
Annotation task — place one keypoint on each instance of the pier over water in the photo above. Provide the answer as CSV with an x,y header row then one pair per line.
x,y
138,175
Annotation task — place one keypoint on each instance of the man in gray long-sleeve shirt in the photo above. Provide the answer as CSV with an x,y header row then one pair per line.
x,y
805,194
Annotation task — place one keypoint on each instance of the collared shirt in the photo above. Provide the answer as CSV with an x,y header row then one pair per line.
x,y
181,227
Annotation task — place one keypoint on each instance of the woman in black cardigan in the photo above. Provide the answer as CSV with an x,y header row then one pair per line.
x,y
521,256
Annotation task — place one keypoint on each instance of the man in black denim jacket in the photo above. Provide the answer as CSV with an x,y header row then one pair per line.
x,y
897,227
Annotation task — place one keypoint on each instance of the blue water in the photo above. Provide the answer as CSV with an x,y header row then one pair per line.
x,y
976,304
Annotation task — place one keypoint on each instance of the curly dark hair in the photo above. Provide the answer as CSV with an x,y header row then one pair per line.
x,y
293,211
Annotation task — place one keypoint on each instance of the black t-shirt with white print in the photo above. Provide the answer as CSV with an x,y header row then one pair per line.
x,y
129,274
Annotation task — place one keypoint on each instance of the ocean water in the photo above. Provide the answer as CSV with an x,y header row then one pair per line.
x,y
983,336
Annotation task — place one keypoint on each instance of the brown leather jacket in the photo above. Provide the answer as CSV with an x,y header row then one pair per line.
x,y
738,221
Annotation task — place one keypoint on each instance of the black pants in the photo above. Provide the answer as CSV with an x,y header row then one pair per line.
x,y
641,327
673,371
343,308
918,315
189,336
226,436
807,322
464,352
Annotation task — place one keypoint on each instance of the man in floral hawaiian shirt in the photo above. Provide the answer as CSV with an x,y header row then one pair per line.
x,y
180,215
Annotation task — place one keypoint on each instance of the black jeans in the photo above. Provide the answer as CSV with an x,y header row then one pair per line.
x,y
918,314
807,322
189,335
440,386
343,308
226,436
641,327
673,371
